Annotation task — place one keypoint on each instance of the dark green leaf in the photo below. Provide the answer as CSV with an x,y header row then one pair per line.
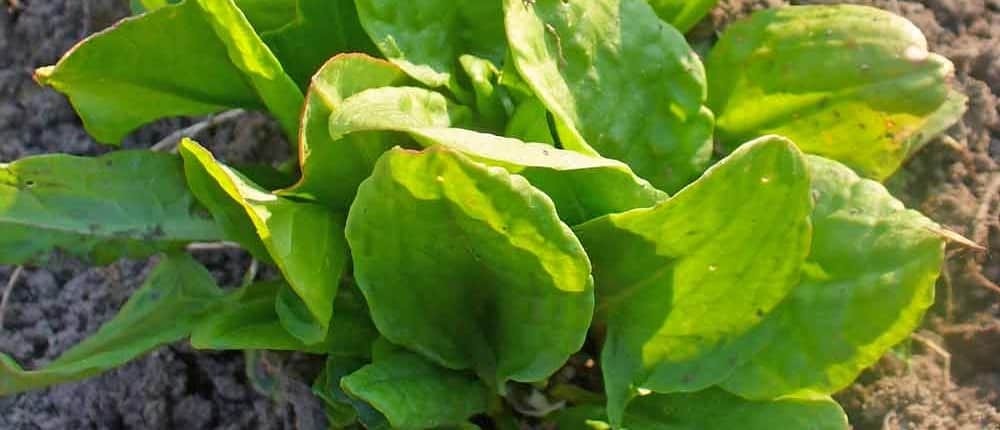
x,y
509,294
414,393
618,80
426,37
127,203
680,284
320,29
851,83
193,58
864,288
178,294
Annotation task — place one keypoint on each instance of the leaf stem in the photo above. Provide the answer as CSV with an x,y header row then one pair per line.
x,y
14,277
169,143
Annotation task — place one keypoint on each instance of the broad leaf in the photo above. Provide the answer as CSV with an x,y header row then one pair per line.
x,y
582,187
509,295
178,294
248,320
414,393
679,284
145,68
618,80
305,240
864,288
713,409
127,203
332,170
683,14
320,29
851,83
426,37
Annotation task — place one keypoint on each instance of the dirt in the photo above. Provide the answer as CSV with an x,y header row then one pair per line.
x,y
953,180
56,306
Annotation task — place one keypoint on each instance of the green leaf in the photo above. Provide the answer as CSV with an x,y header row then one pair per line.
x,y
509,295
140,6
248,320
144,69
320,29
332,170
619,81
683,14
530,123
270,15
583,187
414,393
126,203
864,288
177,294
851,83
426,37
680,284
489,100
305,240
347,409
714,409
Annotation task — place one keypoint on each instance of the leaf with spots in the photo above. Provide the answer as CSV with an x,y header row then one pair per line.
x,y
851,83
177,295
865,286
126,203
618,81
677,286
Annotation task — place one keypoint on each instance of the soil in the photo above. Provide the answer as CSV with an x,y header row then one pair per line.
x,y
951,380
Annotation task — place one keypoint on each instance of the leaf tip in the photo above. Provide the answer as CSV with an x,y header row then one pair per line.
x,y
43,75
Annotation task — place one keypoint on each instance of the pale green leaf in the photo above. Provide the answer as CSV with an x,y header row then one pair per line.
x,y
305,240
508,295
680,284
618,80
713,409
193,58
415,394
864,288
851,83
177,294
127,203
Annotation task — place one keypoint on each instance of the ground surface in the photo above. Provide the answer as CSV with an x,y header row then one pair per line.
x,y
954,180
